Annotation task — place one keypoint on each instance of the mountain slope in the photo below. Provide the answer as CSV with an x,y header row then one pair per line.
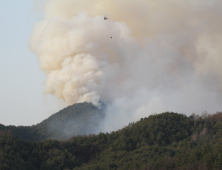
x,y
78,119
159,142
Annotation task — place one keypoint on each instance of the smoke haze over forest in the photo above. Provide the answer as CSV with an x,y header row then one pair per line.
x,y
163,55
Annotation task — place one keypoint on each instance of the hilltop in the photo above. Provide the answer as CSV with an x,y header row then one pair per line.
x,y
78,119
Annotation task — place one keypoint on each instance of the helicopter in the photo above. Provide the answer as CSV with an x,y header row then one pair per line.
x,y
105,18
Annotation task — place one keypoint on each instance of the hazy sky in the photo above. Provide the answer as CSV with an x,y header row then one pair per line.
x,y
22,101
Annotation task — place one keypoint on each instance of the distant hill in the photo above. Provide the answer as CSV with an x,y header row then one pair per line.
x,y
167,141
78,119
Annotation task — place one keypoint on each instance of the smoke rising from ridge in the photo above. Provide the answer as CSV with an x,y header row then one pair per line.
x,y
164,56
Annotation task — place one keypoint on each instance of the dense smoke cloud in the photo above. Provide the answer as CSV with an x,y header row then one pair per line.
x,y
163,55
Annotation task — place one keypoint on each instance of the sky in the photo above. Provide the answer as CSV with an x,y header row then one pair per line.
x,y
163,56
21,85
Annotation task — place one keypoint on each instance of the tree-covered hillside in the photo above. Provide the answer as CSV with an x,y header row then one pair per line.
x,y
78,119
159,142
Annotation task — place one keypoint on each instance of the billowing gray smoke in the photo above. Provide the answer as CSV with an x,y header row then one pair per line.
x,y
163,55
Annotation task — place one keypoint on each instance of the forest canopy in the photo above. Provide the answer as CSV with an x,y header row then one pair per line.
x,y
161,141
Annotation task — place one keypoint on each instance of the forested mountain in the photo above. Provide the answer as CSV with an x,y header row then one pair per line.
x,y
78,119
158,142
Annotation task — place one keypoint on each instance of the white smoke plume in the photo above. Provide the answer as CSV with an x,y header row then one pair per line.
x,y
163,55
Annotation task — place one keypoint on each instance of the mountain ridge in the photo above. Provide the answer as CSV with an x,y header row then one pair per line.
x,y
78,119
158,142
